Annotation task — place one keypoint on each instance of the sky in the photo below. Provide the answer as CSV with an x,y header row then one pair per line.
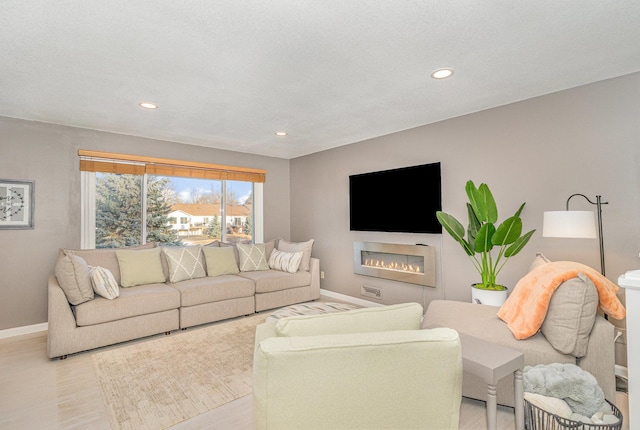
x,y
186,186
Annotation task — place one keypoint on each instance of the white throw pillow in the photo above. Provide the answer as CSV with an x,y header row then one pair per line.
x,y
305,247
104,283
285,261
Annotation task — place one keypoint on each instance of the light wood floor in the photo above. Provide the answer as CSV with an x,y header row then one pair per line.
x,y
38,393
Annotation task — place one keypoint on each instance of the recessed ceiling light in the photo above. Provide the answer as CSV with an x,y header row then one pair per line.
x,y
148,105
442,73
281,133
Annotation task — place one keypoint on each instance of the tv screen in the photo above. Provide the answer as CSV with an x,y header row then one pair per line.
x,y
401,200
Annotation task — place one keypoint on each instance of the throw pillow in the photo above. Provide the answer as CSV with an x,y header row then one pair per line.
x,y
285,261
73,277
538,261
571,315
220,261
305,247
104,284
252,257
104,257
140,267
185,263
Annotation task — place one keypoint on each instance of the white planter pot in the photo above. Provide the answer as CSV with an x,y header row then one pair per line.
x,y
488,297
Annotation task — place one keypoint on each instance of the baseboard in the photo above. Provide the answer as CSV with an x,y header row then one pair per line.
x,y
27,329
349,299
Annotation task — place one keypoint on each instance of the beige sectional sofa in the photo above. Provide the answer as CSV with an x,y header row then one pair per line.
x,y
149,303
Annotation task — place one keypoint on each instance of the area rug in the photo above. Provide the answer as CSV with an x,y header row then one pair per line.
x,y
161,382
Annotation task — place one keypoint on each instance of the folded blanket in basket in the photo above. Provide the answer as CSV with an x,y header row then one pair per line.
x,y
569,382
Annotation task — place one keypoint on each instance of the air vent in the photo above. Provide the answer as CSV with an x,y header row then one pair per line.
x,y
375,293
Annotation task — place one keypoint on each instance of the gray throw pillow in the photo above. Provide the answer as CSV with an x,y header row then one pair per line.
x,y
571,315
73,277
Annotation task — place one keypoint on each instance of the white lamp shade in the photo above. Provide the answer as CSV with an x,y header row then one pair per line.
x,y
576,224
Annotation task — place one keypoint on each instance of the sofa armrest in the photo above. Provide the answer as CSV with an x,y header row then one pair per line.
x,y
395,379
61,321
314,269
600,358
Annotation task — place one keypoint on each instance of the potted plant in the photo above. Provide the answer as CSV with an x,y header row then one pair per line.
x,y
483,237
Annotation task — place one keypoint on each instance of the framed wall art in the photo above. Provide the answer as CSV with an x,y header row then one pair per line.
x,y
17,204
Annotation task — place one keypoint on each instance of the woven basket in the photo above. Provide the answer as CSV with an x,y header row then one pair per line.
x,y
539,419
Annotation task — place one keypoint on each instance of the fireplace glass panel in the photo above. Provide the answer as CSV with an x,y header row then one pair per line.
x,y
392,261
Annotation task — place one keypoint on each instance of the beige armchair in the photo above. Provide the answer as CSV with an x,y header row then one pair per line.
x,y
360,376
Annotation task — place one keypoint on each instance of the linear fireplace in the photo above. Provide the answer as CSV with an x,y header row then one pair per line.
x,y
414,264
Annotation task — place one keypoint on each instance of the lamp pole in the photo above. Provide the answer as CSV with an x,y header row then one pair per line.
x,y
598,204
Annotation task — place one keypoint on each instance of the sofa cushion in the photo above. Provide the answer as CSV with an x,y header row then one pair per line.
x,y
104,257
285,261
73,277
213,289
220,261
185,262
482,322
103,282
135,301
571,315
403,316
305,247
252,257
267,281
140,267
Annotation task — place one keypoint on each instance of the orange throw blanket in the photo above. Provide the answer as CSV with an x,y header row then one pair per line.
x,y
526,307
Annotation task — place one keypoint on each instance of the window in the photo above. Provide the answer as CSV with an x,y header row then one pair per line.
x,y
124,205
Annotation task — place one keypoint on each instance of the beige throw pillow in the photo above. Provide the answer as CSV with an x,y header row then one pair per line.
x,y
305,247
571,315
104,257
220,261
185,262
140,267
73,277
104,284
538,261
252,257
285,261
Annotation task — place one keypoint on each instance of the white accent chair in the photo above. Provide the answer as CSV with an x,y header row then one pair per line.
x,y
374,369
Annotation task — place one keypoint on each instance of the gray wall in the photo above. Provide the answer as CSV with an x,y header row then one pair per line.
x,y
540,151
48,154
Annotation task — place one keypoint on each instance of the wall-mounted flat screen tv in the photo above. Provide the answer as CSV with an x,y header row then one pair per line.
x,y
403,200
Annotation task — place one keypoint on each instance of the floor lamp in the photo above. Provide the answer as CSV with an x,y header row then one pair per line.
x,y
576,224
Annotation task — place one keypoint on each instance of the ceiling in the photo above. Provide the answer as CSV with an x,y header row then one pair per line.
x,y
229,74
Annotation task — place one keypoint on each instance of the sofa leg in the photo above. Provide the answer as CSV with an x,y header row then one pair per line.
x,y
183,328
167,333
63,357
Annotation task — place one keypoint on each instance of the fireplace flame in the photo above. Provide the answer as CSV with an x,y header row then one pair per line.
x,y
399,267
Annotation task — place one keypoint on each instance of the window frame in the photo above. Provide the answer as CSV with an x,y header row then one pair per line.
x,y
88,209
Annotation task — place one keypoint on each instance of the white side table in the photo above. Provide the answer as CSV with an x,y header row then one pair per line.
x,y
632,295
